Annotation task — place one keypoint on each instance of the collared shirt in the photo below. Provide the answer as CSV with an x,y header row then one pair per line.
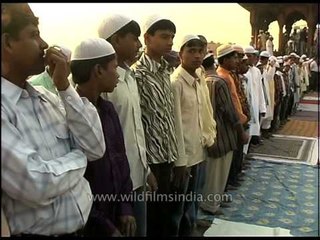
x,y
209,126
110,175
44,79
156,100
190,103
225,116
45,146
241,94
126,101
226,75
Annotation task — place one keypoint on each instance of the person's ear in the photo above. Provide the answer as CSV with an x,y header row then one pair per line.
x,y
146,38
6,42
97,70
114,40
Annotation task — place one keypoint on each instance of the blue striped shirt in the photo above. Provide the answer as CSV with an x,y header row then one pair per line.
x,y
46,142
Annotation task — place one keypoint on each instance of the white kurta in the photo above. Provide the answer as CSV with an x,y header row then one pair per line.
x,y
269,86
269,47
258,102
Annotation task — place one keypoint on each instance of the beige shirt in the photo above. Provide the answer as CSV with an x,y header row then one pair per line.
x,y
195,127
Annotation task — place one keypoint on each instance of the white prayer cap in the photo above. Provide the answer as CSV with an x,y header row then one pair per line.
x,y
112,24
280,60
277,65
256,52
264,54
238,48
187,38
152,20
272,58
64,50
293,54
92,48
208,55
249,49
224,50
303,56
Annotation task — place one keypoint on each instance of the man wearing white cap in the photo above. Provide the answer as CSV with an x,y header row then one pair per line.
x,y
241,86
269,45
192,117
289,93
258,102
156,100
267,79
123,33
45,79
93,67
46,140
295,80
228,60
229,129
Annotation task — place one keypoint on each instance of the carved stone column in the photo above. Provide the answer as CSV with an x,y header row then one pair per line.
x,y
281,40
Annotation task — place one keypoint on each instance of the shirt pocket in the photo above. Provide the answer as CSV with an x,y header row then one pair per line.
x,y
62,139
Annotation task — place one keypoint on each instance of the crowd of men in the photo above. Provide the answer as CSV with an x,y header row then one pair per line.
x,y
125,126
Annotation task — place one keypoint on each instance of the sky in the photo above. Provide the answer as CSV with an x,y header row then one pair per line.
x,y
69,23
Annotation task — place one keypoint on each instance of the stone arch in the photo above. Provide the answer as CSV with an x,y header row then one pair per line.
x,y
292,17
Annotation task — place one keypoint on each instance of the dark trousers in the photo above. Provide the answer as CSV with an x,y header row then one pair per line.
x,y
290,104
158,212
283,109
314,81
276,117
183,212
236,165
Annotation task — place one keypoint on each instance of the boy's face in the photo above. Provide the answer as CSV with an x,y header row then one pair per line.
x,y
191,57
161,42
27,51
128,47
109,76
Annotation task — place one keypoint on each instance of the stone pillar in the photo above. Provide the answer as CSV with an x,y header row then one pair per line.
x,y
281,49
311,30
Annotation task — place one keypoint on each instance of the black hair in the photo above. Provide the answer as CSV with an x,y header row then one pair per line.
x,y
208,62
193,43
15,17
81,69
229,55
163,24
131,27
203,39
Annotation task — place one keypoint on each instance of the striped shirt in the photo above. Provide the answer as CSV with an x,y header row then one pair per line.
x,y
156,100
225,116
46,142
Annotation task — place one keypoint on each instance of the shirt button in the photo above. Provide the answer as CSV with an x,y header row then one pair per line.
x,y
24,93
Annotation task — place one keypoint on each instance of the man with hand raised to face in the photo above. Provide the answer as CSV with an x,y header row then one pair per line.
x,y
46,140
